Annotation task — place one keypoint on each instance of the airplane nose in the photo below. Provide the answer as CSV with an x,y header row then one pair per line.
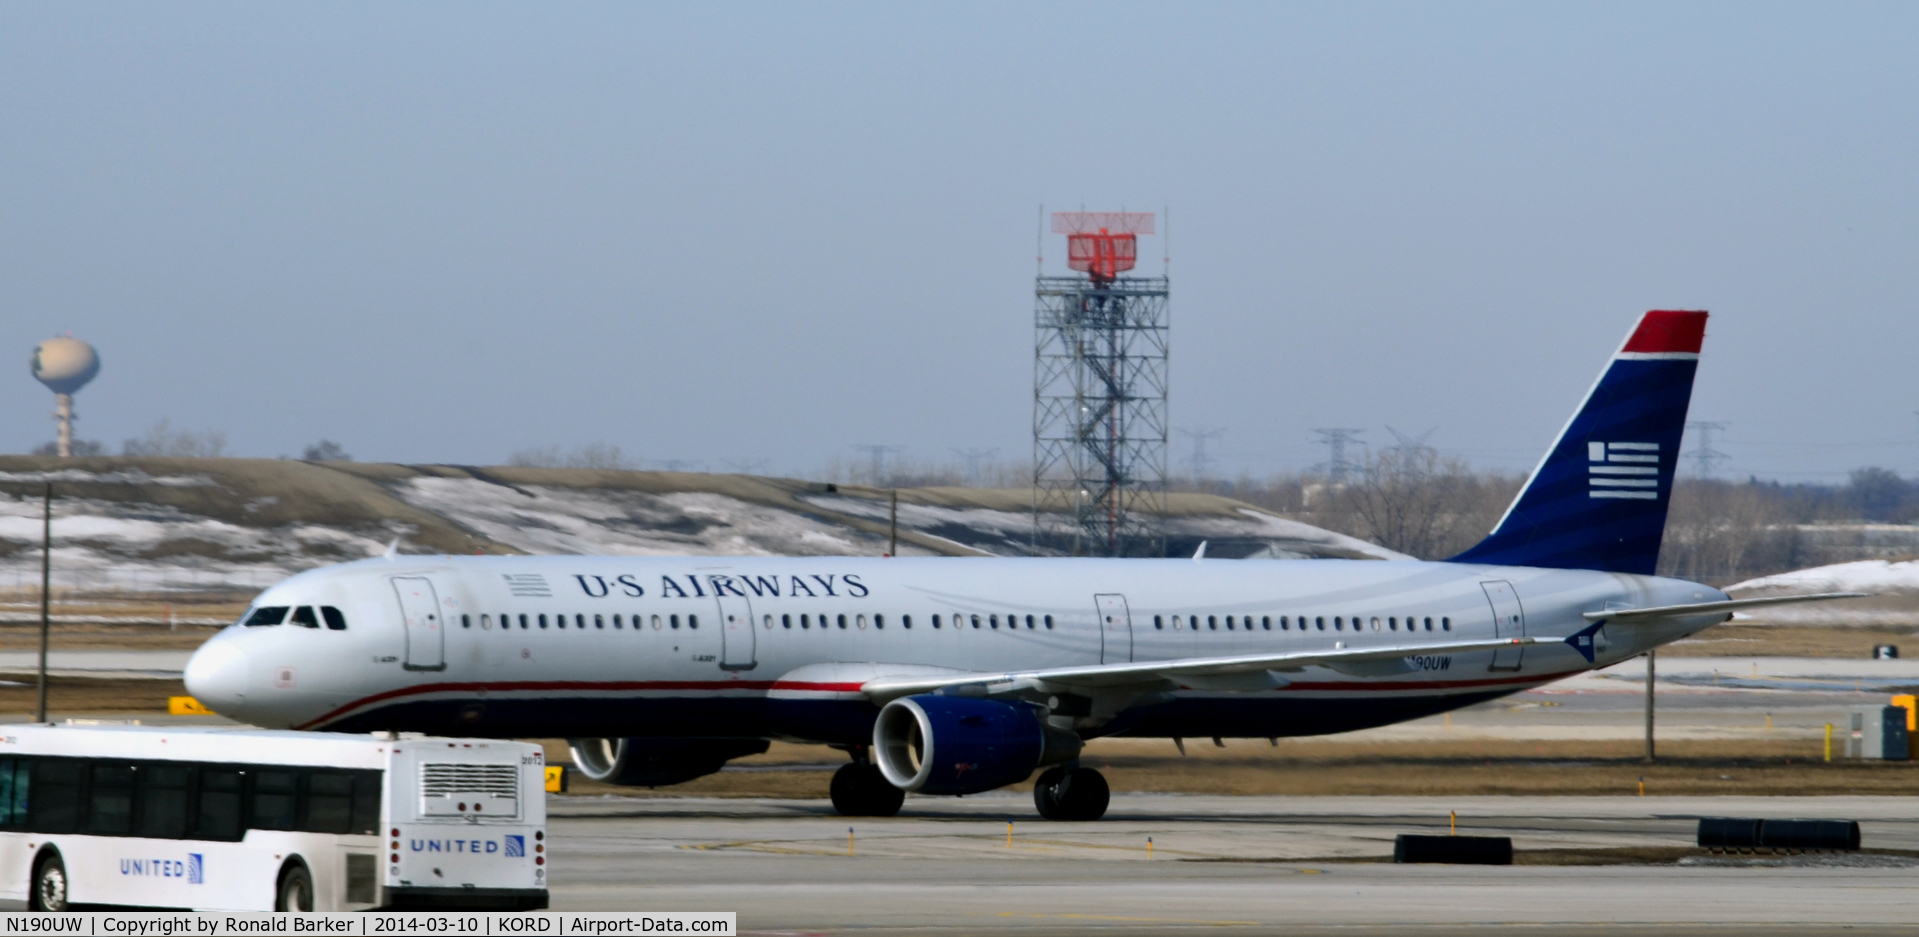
x,y
217,676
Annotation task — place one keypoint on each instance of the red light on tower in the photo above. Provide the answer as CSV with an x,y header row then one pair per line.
x,y
1102,244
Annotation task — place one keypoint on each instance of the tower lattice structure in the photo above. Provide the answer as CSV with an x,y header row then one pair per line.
x,y
1099,394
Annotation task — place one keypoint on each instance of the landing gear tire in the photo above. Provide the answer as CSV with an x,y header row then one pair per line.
x,y
859,790
49,885
1064,793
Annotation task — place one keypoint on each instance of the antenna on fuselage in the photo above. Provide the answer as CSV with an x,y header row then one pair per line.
x,y
392,548
1200,553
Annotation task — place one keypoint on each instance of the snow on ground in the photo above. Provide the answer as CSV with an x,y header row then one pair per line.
x,y
630,523
1861,576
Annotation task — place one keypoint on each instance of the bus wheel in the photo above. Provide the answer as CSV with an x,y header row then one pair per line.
x,y
49,884
296,888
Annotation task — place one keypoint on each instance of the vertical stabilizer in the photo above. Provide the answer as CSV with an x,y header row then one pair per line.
x,y
1598,499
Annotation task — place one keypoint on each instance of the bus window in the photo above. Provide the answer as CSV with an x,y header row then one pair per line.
x,y
56,796
304,617
162,809
366,802
337,622
273,800
329,802
110,799
15,782
219,814
267,615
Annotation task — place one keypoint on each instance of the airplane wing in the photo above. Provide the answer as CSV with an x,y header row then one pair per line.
x,y
1189,670
1625,615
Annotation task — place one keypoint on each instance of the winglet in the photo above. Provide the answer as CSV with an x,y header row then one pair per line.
x,y
392,549
1583,640
1200,553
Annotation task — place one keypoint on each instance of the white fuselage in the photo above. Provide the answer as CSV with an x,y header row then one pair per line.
x,y
761,647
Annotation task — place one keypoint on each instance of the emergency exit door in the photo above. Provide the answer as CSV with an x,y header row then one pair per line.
x,y
1115,629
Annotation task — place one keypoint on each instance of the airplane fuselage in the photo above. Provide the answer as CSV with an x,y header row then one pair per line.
x,y
586,646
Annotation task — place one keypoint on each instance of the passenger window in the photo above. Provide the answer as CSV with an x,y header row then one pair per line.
x,y
1212,623
1049,622
466,621
162,812
803,621
334,620
879,621
617,626
110,800
219,814
906,621
56,797
16,782
1229,623
366,796
936,622
542,622
329,802
1339,623
992,621
860,620
673,621
1159,624
1445,624
656,623
766,620
579,621
599,622
1375,622
303,616
842,621
1266,622
786,621
1319,622
267,615
975,622
274,799
692,622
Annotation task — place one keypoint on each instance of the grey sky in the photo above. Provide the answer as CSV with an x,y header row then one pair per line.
x,y
440,233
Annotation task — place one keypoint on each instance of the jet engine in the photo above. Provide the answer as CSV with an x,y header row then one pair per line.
x,y
656,762
961,745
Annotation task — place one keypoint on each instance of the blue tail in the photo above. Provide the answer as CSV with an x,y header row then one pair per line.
x,y
1598,500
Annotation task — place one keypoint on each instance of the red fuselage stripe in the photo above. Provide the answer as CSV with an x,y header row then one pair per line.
x,y
713,685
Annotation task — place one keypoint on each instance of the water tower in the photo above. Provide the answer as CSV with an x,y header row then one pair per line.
x,y
1099,392
65,365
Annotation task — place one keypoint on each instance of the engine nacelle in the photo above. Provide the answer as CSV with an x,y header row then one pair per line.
x,y
961,745
656,762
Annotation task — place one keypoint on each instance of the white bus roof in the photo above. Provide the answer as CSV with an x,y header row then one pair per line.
x,y
226,744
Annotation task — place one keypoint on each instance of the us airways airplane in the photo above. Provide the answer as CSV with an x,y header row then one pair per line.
x,y
955,676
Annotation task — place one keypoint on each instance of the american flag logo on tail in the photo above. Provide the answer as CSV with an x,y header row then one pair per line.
x,y
1623,470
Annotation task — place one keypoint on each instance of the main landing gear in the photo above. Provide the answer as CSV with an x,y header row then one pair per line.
x,y
860,790
1069,792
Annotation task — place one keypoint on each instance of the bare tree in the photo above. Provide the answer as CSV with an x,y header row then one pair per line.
x,y
163,440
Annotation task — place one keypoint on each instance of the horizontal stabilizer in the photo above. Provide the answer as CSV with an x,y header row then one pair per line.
x,y
1708,608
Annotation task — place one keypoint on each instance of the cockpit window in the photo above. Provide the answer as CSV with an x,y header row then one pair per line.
x,y
334,620
303,616
267,615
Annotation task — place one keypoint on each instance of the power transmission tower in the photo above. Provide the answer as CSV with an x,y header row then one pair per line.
x,y
1338,467
1199,460
1703,454
974,458
1407,444
878,456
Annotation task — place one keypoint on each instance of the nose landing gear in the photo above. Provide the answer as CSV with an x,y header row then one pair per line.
x,y
1070,792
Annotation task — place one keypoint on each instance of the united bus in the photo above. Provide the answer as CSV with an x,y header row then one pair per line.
x,y
227,819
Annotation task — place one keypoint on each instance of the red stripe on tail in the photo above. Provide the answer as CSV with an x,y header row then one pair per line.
x,y
1668,332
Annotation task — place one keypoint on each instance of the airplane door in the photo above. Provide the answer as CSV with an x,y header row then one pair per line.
x,y
736,633
1509,621
420,609
1115,629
